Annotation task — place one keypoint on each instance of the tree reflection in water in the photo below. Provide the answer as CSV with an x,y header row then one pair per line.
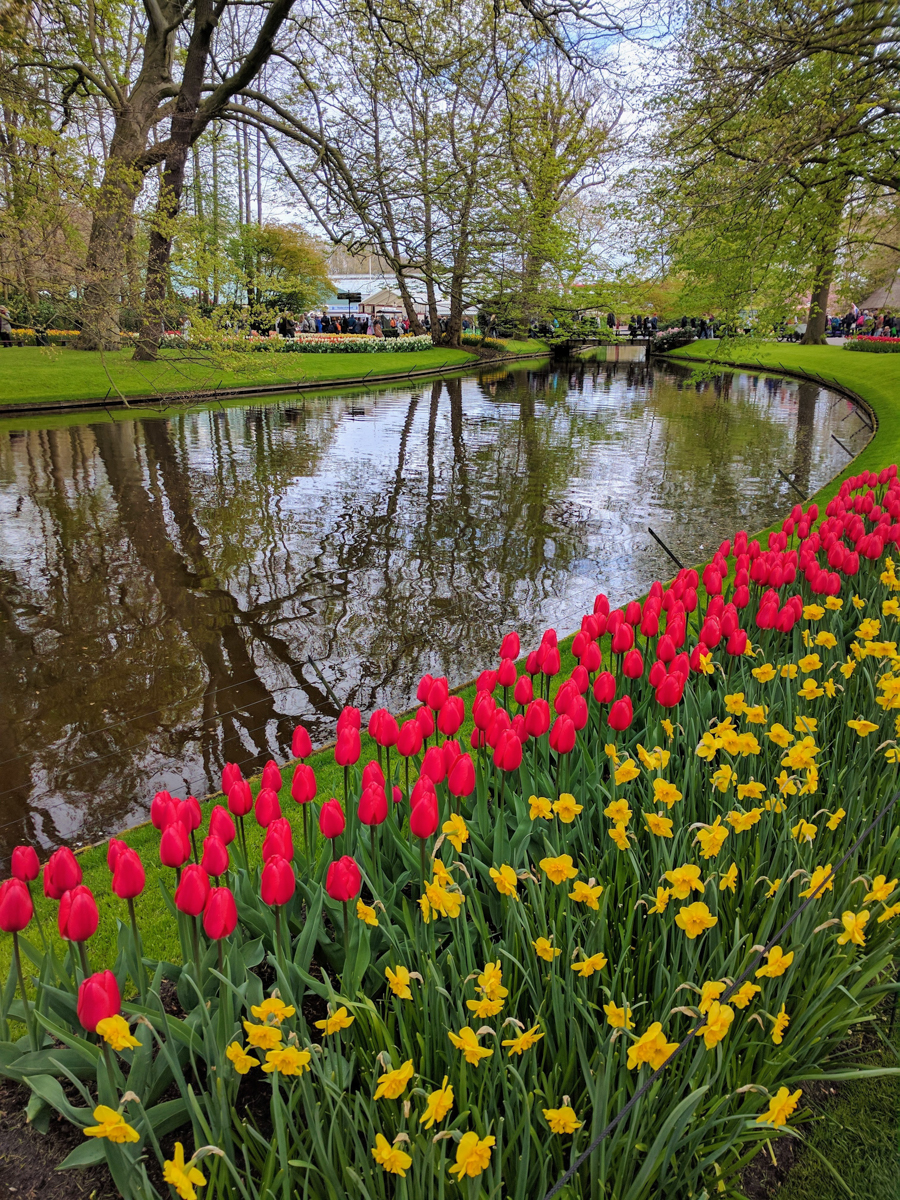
x,y
164,581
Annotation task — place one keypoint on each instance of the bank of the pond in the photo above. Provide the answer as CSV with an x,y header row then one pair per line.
x,y
60,377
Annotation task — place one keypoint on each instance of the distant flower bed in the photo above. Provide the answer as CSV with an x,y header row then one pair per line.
x,y
873,345
309,343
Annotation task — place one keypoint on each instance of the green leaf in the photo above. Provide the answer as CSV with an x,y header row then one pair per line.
x,y
89,1154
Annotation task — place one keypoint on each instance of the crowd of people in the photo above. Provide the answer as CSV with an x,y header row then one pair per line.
x,y
388,325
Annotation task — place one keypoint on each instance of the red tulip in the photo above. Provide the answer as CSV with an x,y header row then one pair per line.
x,y
174,845
410,740
221,825
331,819
98,999
348,748
373,805
451,715
423,689
592,658
231,774
650,621
215,856
267,807
670,691
350,718
372,773
665,648
710,632
128,875
116,846
422,787
633,664
506,674
498,725
25,865
580,679
16,908
189,813
578,712
240,798
278,840
487,681
562,735
303,785
550,664
277,884
537,718
737,643
564,697
483,708
605,688
461,779
656,674
438,693
519,728
601,604
524,692
700,650
396,794
271,776
508,752
532,663
78,916
433,764
425,721
163,810
301,746
343,880
61,872
620,714
220,914
193,890
622,639
510,647
633,613
423,817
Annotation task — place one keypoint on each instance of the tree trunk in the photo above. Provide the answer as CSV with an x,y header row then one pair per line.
x,y
818,304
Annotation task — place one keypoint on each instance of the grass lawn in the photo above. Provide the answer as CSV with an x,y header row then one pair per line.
x,y
858,1132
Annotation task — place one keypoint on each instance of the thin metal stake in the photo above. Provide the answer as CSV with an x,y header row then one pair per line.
x,y
787,479
677,561
843,447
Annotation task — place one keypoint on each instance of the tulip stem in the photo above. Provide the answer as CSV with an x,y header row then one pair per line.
x,y
40,923
306,832
346,933
29,1023
195,941
422,860
387,751
279,937
141,980
84,959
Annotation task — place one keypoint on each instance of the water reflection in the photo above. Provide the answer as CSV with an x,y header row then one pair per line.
x,y
175,592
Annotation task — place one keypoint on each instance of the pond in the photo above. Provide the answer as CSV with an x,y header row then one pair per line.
x,y
176,591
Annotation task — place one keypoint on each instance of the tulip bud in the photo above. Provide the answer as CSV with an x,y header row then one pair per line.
x,y
506,674
128,875
215,856
633,613
438,693
16,908
271,776
650,622
116,845
433,764
410,740
343,880
396,794
331,819
61,872
424,688
601,604
452,715
483,708
174,845
461,779
487,681
25,865
656,674
267,807
562,735
510,647
537,718
605,688
524,692
278,840
670,691
422,787
373,805
710,632
189,813
550,665
348,748
78,916
498,725
508,752
350,718
98,999
220,914
622,639
193,890
578,712
564,696
633,664
163,810
301,746
221,825
423,817
737,643
240,798
425,721
372,773
231,774
303,785
620,714
532,663
277,884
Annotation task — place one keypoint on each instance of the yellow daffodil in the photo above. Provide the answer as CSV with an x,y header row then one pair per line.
x,y
804,831
810,690
742,997
467,1041
781,1023
668,728
541,808
723,777
115,1032
889,912
437,1104
490,981
473,1155
708,747
854,924
183,1177
505,880
543,949
484,1007
711,990
651,1048
586,893
779,735
523,1041
764,674
862,727
834,603
240,1059
729,879
718,1022
776,884
695,919
788,671
712,838
734,703
585,969
442,876
393,1083
826,639
456,830
566,808
562,1120
398,981
836,818
611,752
786,786
684,880
756,714
869,629
272,1011
394,1160
813,612
366,913
287,1060
558,869
880,891
335,1022
619,834
112,1126
706,664
809,663
619,1018
263,1037
778,962
847,668
781,1107
627,771
662,899
665,793
618,811
817,884
741,822
658,825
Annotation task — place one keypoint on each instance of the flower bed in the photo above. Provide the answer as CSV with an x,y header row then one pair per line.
x,y
873,345
504,943
312,343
